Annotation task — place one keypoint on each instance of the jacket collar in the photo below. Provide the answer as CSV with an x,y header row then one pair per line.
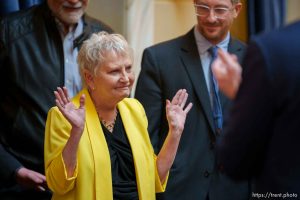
x,y
98,144
88,28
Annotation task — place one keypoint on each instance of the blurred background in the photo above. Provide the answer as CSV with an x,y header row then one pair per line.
x,y
147,22
170,18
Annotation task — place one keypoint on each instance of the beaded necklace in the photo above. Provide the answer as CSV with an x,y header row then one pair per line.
x,y
109,125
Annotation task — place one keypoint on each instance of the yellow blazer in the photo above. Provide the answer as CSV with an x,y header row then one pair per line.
x,y
92,178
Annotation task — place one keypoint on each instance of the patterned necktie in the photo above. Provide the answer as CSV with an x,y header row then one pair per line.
x,y
214,92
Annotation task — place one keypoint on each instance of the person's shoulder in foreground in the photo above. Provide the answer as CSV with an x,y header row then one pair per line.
x,y
259,139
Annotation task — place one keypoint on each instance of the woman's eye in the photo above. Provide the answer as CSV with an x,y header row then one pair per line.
x,y
128,69
114,72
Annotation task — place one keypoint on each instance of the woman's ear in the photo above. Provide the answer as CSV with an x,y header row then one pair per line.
x,y
89,79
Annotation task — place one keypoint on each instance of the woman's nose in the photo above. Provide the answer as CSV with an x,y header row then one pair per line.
x,y
124,76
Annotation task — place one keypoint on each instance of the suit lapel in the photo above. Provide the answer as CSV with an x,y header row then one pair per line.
x,y
191,61
237,48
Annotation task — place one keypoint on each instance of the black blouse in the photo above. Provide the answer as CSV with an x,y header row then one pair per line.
x,y
122,165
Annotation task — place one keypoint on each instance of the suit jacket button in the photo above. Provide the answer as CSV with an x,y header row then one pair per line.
x,y
206,174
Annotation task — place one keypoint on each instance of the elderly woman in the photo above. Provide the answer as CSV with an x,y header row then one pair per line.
x,y
97,145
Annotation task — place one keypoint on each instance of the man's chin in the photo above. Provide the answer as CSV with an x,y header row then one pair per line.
x,y
212,36
71,19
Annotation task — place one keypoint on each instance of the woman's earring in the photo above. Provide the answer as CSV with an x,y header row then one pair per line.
x,y
91,89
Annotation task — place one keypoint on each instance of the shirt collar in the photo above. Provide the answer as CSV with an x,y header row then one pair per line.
x,y
75,31
203,44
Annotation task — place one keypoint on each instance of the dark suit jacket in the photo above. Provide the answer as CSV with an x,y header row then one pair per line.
x,y
262,137
167,67
31,68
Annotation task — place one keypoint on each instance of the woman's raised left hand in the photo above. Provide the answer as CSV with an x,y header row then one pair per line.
x,y
176,111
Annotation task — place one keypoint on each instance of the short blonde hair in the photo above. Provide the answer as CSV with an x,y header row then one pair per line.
x,y
93,52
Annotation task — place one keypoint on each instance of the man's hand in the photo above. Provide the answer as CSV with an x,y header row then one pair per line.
x,y
228,73
31,179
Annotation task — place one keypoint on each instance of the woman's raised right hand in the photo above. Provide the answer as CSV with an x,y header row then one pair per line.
x,y
75,116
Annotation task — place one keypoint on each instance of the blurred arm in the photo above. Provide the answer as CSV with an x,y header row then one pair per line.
x,y
228,73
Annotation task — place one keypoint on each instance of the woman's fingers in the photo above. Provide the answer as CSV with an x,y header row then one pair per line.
x,y
176,97
63,94
180,100
188,108
62,97
66,93
179,97
183,99
81,101
58,100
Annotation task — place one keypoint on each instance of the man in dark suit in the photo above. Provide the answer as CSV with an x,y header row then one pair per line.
x,y
184,62
261,138
38,50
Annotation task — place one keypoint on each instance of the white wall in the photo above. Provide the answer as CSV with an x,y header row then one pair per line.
x,y
293,7
173,18
112,12
146,22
